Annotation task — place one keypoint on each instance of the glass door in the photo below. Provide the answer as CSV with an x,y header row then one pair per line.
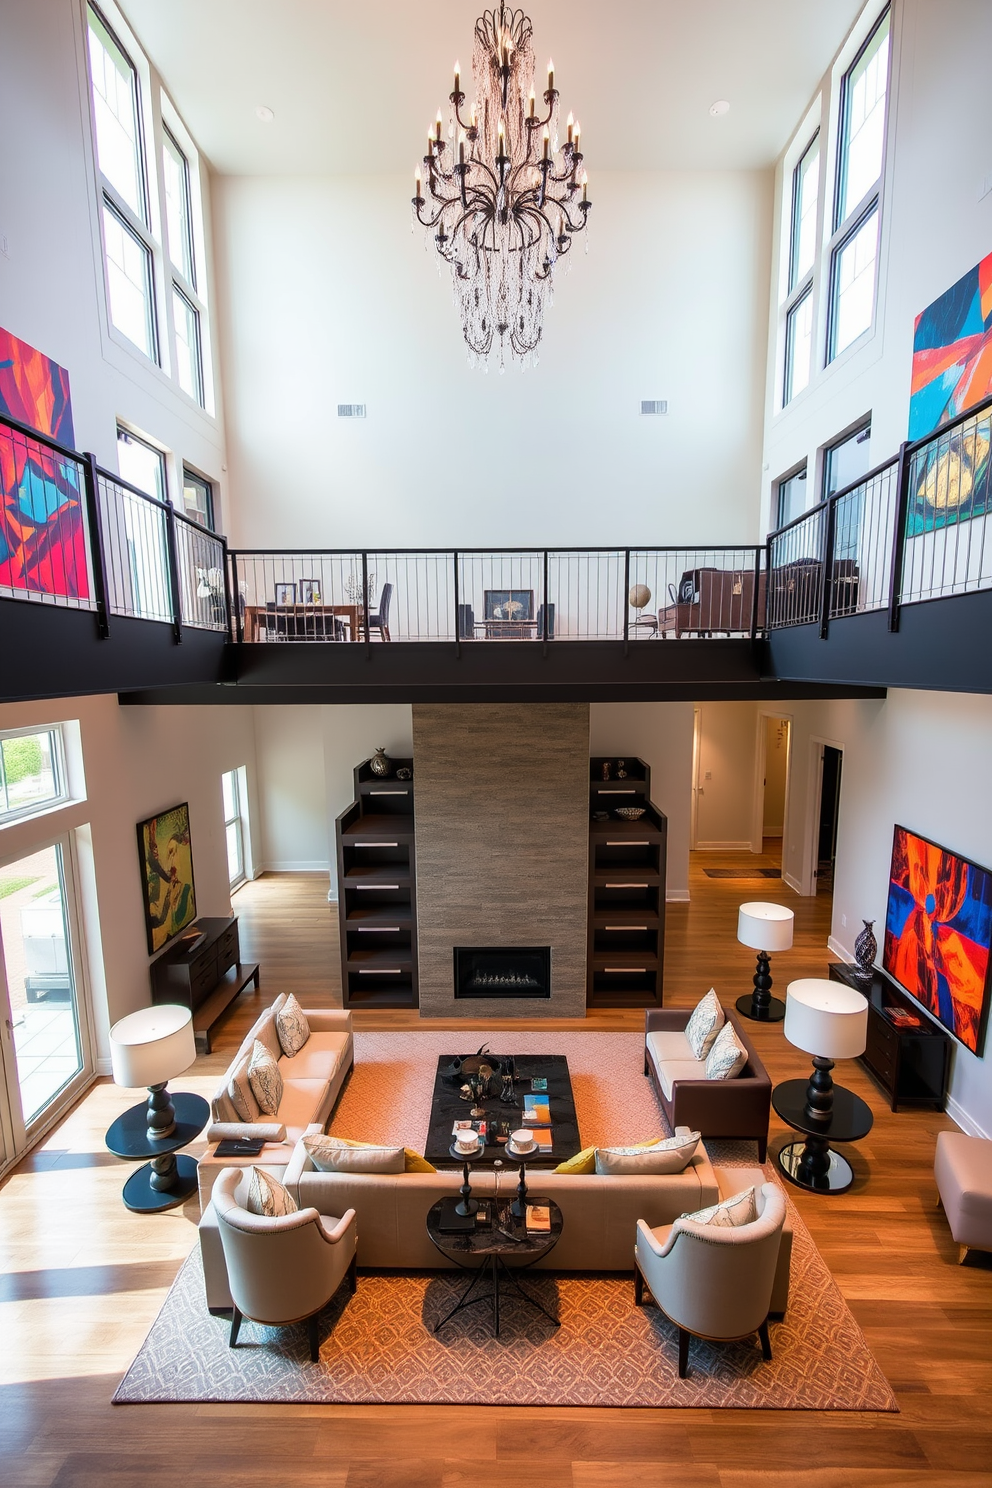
x,y
44,1040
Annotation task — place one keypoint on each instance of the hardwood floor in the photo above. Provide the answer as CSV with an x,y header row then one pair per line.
x,y
83,1279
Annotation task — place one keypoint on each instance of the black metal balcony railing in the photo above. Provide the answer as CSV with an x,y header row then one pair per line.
x,y
913,529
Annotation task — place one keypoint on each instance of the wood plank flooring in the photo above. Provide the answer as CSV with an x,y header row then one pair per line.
x,y
83,1279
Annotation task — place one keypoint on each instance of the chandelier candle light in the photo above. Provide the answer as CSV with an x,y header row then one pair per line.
x,y
504,202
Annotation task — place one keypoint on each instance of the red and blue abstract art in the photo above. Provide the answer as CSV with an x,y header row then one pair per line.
x,y
42,535
938,930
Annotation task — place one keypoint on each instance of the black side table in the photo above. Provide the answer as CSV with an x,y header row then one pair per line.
x,y
814,1164
167,1180
507,1237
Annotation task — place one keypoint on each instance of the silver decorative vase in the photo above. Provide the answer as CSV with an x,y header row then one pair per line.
x,y
379,763
865,951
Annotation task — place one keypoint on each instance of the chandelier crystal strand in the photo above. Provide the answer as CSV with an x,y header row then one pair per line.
x,y
501,196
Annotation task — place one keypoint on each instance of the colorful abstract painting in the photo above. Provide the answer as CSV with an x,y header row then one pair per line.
x,y
42,535
952,372
938,930
166,875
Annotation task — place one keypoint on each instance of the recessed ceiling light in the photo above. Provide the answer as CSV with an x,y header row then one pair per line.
x,y
720,107
266,115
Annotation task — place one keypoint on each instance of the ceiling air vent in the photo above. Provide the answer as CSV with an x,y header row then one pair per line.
x,y
654,405
351,410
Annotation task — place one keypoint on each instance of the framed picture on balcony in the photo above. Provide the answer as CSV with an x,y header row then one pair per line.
x,y
509,604
310,591
285,594
166,858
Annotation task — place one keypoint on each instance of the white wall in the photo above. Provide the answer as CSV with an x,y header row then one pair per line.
x,y
135,762
328,298
52,291
936,225
660,734
725,804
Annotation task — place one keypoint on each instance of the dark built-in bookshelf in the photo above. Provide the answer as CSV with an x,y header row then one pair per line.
x,y
627,862
377,902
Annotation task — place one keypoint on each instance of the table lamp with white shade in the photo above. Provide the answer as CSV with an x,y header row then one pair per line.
x,y
764,927
829,1021
150,1047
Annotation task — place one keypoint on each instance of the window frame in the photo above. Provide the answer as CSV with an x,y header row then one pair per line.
x,y
58,756
853,431
795,280
189,473
130,436
239,781
801,469
791,319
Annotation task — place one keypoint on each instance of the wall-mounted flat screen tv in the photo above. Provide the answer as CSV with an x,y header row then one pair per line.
x,y
938,933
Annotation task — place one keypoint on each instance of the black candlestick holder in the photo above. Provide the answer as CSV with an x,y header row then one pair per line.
x,y
519,1206
468,1205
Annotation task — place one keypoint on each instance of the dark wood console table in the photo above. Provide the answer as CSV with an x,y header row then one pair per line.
x,y
910,1064
205,979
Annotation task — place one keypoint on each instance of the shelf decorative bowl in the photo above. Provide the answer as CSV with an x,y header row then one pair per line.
x,y
630,813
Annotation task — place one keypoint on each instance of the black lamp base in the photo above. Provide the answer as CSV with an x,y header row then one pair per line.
x,y
816,1166
761,1006
151,1189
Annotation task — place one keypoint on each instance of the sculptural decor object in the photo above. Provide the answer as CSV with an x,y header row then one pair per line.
x,y
380,763
865,951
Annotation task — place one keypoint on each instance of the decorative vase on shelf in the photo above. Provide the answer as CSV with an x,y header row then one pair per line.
x,y
865,951
379,763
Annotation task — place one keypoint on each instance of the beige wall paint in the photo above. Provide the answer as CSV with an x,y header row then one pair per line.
x,y
726,775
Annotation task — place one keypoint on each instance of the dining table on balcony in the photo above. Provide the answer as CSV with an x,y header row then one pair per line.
x,y
301,622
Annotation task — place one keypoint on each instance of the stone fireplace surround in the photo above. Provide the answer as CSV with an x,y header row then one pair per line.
x,y
502,847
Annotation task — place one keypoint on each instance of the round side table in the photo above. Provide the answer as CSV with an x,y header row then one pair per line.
x,y
507,1237
813,1164
167,1180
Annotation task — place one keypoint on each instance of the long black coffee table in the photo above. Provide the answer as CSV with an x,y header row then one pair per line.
x,y
447,1107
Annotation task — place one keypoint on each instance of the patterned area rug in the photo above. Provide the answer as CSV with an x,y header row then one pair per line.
x,y
379,1347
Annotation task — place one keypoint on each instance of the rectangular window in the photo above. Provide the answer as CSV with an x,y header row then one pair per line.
x,y
233,785
798,346
178,208
189,362
32,772
129,281
852,284
862,122
198,499
846,461
141,465
805,191
116,112
791,497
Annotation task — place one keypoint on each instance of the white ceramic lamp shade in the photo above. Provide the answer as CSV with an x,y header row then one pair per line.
x,y
765,927
152,1046
826,1019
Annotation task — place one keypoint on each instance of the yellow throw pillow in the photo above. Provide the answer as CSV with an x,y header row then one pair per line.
x,y
585,1161
414,1162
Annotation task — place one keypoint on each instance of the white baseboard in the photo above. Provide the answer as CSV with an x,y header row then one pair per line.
x,y
724,846
295,865
958,1113
793,883
676,896
833,944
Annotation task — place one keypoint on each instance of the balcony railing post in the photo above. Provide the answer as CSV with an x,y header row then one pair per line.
x,y
94,524
458,625
754,596
626,600
365,604
899,534
172,550
239,619
544,607
228,606
826,596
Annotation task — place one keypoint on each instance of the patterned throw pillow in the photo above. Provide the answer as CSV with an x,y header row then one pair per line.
x,y
240,1093
669,1155
292,1027
268,1197
705,1023
266,1081
727,1057
338,1155
729,1214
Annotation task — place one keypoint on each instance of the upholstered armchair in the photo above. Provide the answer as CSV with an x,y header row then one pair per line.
x,y
710,1281
282,1270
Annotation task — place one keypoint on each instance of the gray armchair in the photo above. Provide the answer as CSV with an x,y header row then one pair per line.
x,y
282,1270
713,1282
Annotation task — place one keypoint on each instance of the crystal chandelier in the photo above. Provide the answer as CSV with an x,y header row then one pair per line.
x,y
502,197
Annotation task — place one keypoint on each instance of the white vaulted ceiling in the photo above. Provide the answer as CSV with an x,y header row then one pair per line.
x,y
354,85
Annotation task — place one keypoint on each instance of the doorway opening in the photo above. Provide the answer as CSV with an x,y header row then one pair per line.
x,y
828,819
774,746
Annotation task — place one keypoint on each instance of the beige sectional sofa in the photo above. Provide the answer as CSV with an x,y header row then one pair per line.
x,y
312,1081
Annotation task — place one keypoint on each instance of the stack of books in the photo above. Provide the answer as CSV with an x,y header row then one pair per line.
x,y
537,1110
538,1219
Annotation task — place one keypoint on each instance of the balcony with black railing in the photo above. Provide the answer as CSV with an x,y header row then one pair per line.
x,y
881,557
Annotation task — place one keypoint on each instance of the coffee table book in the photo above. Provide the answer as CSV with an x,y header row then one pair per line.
x,y
452,1223
538,1219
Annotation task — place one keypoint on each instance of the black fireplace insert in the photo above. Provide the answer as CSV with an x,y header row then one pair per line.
x,y
502,971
